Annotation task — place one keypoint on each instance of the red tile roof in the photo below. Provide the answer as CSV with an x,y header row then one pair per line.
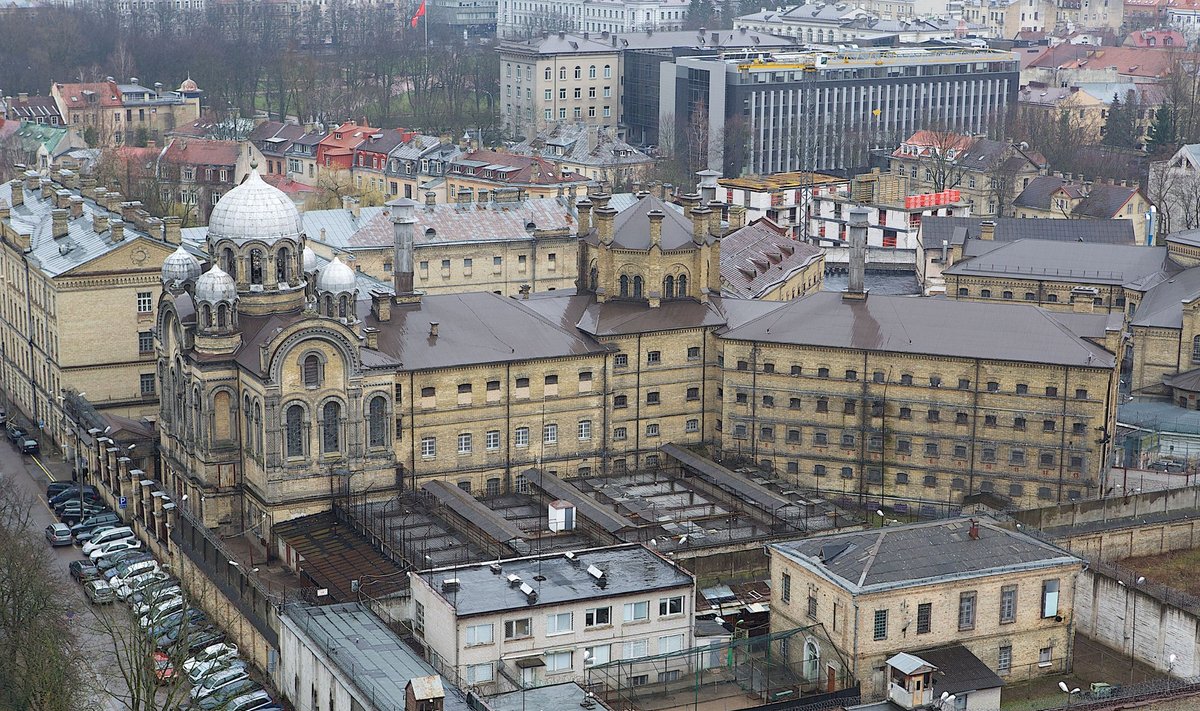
x,y
1130,61
347,136
526,167
74,95
199,151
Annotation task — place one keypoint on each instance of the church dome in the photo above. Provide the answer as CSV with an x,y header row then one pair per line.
x,y
188,86
309,260
336,278
255,210
179,267
216,285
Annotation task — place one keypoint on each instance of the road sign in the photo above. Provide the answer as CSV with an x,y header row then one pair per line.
x,y
122,502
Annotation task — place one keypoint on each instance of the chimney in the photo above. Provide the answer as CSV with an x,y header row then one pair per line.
x,y
973,531
68,179
987,230
48,189
129,210
700,223
945,252
100,221
5,211
716,217
118,230
32,180
604,216
858,254
430,199
433,330
152,226
737,217
656,219
172,230
115,199
18,193
381,306
22,96
463,198
708,185
76,207
100,195
58,222
403,226
585,217
62,198
372,336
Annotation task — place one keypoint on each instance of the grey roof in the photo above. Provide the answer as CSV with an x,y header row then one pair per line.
x,y
929,326
1190,238
1189,381
556,697
559,43
1096,325
629,569
337,226
82,244
581,144
757,258
1162,307
710,40
893,557
369,654
1007,229
1053,260
451,223
631,227
1105,201
958,670
415,147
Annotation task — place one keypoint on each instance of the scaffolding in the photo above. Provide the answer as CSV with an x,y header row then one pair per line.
x,y
780,666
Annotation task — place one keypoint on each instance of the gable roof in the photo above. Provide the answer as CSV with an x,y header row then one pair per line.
x,y
1050,260
200,151
631,227
1162,306
1148,62
1104,201
473,222
958,670
596,146
882,559
274,137
511,168
759,257
74,96
32,108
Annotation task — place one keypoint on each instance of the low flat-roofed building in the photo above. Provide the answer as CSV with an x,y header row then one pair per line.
x,y
343,656
1002,594
545,619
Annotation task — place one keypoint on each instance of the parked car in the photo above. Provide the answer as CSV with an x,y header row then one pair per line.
x,y
217,700
3,416
57,487
58,534
160,612
99,592
73,502
72,492
249,702
87,535
108,566
112,534
30,446
140,581
73,514
219,680
205,658
122,544
204,638
126,569
159,600
177,633
108,518
164,669
151,592
83,570
15,433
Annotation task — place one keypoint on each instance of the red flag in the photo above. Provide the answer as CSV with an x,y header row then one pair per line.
x,y
419,15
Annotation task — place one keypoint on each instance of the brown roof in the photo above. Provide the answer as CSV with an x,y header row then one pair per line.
x,y
33,108
199,151
334,555
74,95
476,162
1131,61
759,257
631,227
351,134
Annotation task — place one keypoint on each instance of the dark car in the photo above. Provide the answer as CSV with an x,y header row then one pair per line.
x,y
111,562
30,446
15,433
72,492
57,487
83,570
219,698
203,638
72,515
91,523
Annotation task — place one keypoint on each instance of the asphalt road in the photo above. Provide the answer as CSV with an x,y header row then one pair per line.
x,y
30,477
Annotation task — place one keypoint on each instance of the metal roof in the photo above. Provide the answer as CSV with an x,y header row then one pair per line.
x,y
556,697
955,229
585,505
958,670
1052,260
472,509
334,555
757,258
918,554
929,326
1162,306
735,484
631,227
629,569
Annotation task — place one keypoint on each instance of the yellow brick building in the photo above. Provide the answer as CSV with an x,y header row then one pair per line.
x,y
285,386
79,271
1005,596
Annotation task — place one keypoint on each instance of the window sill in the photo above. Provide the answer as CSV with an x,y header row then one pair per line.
x,y
560,634
635,622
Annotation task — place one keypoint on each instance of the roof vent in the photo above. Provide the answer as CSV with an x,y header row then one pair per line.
x,y
571,557
513,580
450,584
530,594
596,573
495,568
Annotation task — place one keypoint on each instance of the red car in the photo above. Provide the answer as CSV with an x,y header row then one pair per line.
x,y
164,669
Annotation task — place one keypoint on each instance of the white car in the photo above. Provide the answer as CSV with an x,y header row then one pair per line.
x,y
158,612
125,544
218,680
139,582
112,534
157,599
203,670
125,572
221,651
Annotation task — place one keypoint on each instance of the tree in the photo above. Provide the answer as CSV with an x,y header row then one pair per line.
x,y
700,13
940,161
1120,128
1163,133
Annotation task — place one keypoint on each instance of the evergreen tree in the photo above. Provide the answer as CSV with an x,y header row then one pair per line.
x,y
700,14
1119,128
1163,131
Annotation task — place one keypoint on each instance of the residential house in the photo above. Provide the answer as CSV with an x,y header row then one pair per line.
x,y
545,619
1060,198
42,144
195,173
988,174
481,172
268,144
559,77
1000,593
370,162
301,157
418,166
335,151
760,261
34,109
592,151
1155,38
126,113
1070,64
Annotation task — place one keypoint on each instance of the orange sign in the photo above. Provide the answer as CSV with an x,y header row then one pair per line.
x,y
945,197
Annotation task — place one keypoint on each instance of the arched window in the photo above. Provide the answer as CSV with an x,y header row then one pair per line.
x,y
312,370
230,262
681,286
669,287
258,428
223,414
256,266
281,265
331,421
194,427
812,659
248,423
206,316
578,72
592,72
624,285
293,426
1196,349
547,73
637,287
222,315
343,300
562,73
377,428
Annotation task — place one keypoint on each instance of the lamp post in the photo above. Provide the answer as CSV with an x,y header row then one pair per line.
x,y
1062,685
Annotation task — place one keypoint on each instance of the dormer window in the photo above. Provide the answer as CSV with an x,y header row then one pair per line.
x,y
337,136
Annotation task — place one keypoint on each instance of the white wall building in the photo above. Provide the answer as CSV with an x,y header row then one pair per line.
x,y
526,18
546,619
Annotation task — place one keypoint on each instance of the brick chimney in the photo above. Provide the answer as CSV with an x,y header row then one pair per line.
x,y
700,217
129,210
76,207
18,192
656,220
5,211
118,230
172,230
987,230
737,217
430,199
381,306
100,221
114,200
48,188
62,198
604,216
585,218
58,222
716,217
372,337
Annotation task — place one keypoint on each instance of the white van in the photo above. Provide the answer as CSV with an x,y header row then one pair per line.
x,y
112,534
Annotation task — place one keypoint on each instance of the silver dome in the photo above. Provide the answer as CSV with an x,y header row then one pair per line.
x,y
215,285
255,210
310,262
179,267
336,278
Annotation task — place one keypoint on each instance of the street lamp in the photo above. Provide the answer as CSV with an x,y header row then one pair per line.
x,y
1062,685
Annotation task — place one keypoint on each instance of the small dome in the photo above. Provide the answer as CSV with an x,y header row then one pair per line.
x,y
336,278
255,210
215,285
179,267
188,85
310,260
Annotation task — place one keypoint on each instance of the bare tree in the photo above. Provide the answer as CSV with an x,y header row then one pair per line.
x,y
940,162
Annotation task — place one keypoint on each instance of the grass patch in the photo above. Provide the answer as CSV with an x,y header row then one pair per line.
x,y
1176,569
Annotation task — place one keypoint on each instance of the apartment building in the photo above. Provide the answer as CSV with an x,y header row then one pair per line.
x,y
783,198
824,109
545,619
1056,197
529,18
121,114
843,23
478,174
1005,596
558,77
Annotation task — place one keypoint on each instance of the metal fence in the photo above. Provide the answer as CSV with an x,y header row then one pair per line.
x,y
1104,698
